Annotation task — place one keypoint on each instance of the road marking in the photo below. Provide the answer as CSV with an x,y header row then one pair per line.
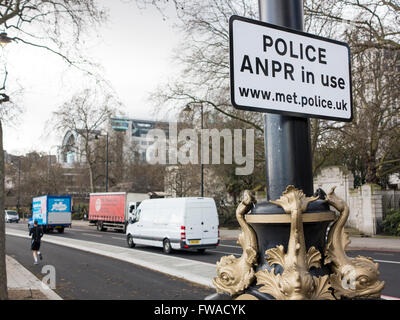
x,y
227,245
389,298
387,261
238,254
118,238
78,230
186,264
223,252
384,254
93,235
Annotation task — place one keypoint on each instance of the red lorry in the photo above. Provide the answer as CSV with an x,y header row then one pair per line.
x,y
112,209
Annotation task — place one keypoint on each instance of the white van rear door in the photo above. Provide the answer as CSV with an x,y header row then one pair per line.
x,y
194,229
210,222
201,223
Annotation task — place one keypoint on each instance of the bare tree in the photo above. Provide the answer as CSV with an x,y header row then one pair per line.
x,y
3,274
204,57
85,115
53,25
182,180
32,175
377,21
368,144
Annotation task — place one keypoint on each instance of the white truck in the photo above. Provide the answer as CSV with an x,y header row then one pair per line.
x,y
52,212
112,209
175,223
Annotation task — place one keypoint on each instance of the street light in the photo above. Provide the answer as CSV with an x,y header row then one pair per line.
x,y
4,39
19,184
49,171
97,137
188,110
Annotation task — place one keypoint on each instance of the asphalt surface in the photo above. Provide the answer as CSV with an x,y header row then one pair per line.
x,y
81,275
119,239
76,271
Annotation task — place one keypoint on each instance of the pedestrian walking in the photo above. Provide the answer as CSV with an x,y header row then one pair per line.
x,y
37,233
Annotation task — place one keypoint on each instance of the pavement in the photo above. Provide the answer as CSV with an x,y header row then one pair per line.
x,y
23,285
18,278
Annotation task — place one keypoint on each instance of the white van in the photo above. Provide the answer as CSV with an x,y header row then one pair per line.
x,y
11,216
175,223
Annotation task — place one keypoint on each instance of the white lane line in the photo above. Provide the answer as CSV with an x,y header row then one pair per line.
x,y
384,254
238,254
389,298
118,238
223,252
186,264
80,231
229,246
387,261
76,230
93,235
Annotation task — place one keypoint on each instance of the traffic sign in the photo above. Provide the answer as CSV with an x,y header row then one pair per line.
x,y
280,70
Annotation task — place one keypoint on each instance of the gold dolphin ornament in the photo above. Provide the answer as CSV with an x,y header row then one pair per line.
x,y
234,275
295,282
352,277
349,278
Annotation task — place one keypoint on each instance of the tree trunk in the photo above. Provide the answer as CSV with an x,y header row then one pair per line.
x,y
91,178
371,176
3,273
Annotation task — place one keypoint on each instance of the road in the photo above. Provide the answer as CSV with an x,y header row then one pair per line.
x,y
78,281
81,275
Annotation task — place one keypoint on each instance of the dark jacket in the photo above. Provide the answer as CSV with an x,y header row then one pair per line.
x,y
36,232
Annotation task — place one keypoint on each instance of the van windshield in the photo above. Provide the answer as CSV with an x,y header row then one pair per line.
x,y
12,213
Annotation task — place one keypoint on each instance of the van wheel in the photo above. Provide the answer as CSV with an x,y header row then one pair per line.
x,y
60,230
129,240
167,246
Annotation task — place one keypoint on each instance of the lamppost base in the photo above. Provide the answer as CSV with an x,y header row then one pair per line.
x,y
294,249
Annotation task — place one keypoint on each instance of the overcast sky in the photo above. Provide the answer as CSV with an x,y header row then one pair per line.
x,y
135,50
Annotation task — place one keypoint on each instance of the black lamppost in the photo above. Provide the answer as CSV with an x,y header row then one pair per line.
x,y
106,161
106,178
187,110
4,39
19,183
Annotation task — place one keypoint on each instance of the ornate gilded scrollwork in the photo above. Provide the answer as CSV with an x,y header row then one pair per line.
x,y
295,282
234,275
351,277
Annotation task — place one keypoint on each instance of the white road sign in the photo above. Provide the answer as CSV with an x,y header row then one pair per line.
x,y
279,70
